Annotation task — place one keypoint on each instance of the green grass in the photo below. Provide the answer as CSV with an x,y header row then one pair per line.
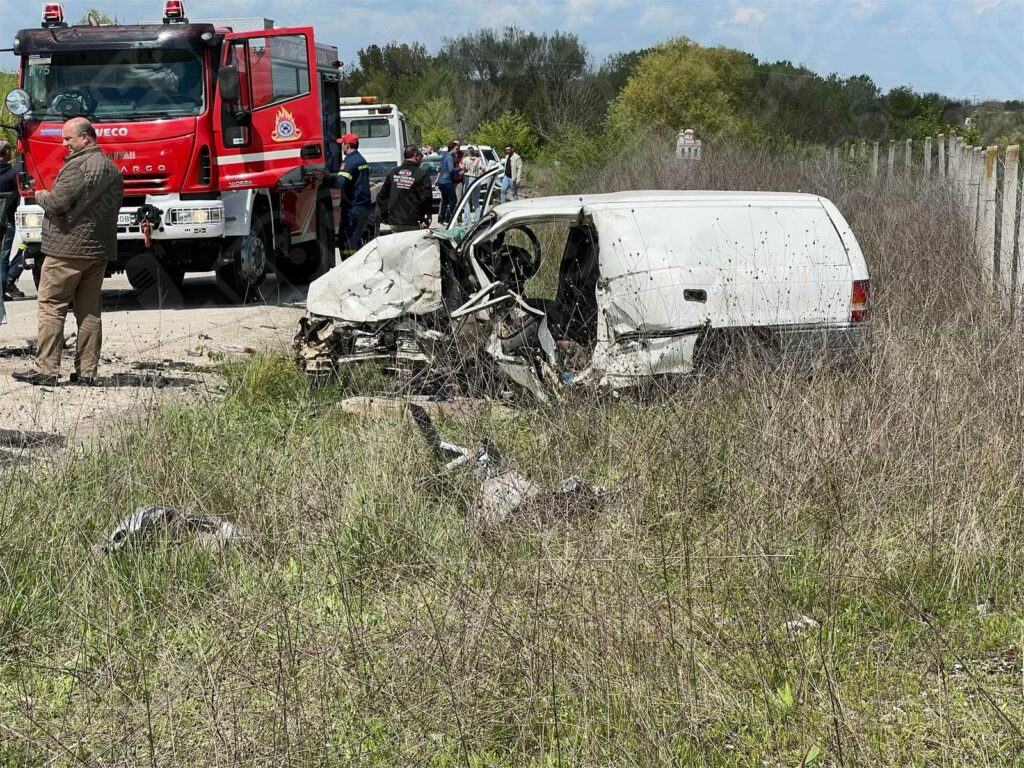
x,y
366,619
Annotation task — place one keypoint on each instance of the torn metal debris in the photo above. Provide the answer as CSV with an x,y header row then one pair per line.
x,y
505,493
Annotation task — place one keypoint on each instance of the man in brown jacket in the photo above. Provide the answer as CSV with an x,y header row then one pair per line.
x,y
79,236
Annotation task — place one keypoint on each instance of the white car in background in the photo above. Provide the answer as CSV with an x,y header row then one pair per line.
x,y
487,153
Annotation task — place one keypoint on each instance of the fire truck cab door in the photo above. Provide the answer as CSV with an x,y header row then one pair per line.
x,y
268,126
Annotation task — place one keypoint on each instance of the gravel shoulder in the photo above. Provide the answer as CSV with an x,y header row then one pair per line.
x,y
149,356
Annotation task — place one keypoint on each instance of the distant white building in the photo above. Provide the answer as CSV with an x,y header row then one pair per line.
x,y
688,146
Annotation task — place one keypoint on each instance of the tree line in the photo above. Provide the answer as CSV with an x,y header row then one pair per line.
x,y
540,91
547,85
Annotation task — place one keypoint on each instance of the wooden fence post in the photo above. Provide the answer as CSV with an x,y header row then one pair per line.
x,y
928,156
853,150
892,155
941,141
874,162
977,166
1020,253
967,174
961,162
987,208
1006,228
967,180
835,157
907,157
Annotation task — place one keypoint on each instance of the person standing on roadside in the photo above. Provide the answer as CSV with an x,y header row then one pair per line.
x,y
473,168
10,269
446,183
356,204
79,237
405,200
513,173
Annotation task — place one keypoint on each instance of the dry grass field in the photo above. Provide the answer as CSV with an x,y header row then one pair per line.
x,y
789,569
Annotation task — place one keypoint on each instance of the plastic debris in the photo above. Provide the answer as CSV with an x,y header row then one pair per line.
x,y
142,525
803,622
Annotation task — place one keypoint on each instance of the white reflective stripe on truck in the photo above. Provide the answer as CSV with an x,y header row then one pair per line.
x,y
281,154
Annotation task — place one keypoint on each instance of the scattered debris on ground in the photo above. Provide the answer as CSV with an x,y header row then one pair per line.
x,y
145,523
504,493
800,623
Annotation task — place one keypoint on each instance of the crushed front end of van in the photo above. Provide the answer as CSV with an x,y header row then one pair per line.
x,y
647,284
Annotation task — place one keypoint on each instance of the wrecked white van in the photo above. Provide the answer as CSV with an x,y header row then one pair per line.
x,y
645,281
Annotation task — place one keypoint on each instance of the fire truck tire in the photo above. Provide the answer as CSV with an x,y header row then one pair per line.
x,y
246,260
156,284
309,260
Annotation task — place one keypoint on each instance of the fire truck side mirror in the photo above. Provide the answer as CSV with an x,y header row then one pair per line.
x,y
227,82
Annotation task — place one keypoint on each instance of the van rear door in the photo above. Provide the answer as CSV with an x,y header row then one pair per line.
x,y
753,263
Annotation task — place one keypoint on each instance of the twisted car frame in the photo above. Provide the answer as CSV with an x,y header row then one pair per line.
x,y
646,281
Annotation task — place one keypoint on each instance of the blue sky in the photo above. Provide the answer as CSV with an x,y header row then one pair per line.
x,y
965,48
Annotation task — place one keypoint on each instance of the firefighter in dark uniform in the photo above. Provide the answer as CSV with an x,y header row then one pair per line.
x,y
356,206
405,200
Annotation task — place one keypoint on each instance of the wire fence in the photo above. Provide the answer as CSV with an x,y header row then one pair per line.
x,y
988,182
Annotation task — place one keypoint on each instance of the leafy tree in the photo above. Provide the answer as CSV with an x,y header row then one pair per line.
x,y
612,76
510,69
681,84
384,67
509,128
436,118
8,82
93,17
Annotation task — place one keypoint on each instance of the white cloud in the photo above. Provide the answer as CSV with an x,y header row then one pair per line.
x,y
747,15
865,9
586,12
658,16
982,6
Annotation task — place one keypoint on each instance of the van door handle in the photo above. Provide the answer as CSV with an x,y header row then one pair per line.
x,y
310,151
693,294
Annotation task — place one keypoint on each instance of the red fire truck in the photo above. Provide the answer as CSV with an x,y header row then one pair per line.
x,y
225,134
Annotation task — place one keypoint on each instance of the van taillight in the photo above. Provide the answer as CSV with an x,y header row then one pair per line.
x,y
205,168
860,303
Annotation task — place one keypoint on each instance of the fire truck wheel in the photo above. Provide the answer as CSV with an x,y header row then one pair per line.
x,y
156,284
239,279
309,260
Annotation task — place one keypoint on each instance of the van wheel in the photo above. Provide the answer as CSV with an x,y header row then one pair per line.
x,y
246,260
309,260
156,284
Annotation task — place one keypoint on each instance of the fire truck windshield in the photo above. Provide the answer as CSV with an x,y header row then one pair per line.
x,y
115,85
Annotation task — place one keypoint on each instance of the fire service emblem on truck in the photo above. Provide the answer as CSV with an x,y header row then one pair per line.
x,y
286,129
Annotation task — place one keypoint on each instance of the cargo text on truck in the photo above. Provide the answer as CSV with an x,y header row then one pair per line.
x,y
224,131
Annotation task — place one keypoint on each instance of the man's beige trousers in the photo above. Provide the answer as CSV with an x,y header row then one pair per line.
x,y
62,281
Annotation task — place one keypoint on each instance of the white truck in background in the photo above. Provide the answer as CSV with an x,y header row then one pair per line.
x,y
383,133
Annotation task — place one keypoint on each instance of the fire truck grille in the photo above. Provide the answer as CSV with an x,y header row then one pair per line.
x,y
136,183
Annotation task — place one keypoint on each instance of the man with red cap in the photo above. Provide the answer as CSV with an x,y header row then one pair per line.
x,y
356,205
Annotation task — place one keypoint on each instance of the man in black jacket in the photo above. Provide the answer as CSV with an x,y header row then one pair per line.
x,y
9,199
405,198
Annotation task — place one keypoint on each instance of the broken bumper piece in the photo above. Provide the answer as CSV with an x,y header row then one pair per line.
x,y
324,346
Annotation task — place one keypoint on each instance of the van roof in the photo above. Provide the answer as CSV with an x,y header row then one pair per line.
x,y
568,205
